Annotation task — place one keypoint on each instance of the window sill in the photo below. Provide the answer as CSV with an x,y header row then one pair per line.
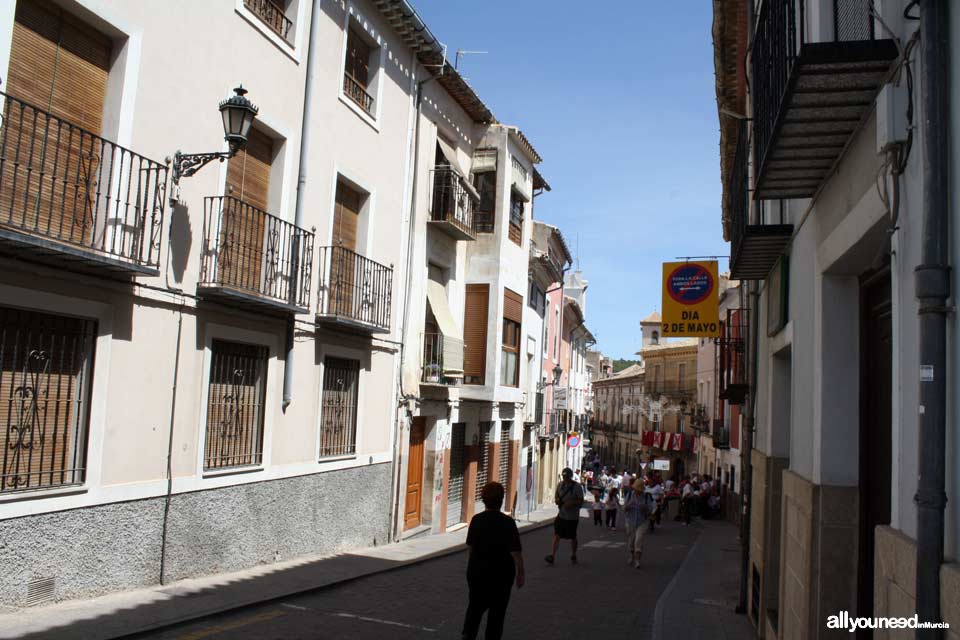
x,y
349,456
40,494
357,109
217,473
286,48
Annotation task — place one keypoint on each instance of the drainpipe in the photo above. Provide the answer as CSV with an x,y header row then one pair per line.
x,y
301,188
932,281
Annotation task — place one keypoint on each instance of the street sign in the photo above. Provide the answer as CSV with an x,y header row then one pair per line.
x,y
691,299
573,440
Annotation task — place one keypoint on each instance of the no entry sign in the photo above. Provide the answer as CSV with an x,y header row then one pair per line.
x,y
690,299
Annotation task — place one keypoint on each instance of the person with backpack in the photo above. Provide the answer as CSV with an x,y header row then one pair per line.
x,y
569,499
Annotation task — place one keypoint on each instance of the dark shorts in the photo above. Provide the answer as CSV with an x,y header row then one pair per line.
x,y
565,529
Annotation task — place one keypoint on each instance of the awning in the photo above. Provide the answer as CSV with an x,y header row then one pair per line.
x,y
452,336
451,155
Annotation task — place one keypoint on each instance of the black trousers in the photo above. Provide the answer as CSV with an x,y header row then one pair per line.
x,y
611,517
490,597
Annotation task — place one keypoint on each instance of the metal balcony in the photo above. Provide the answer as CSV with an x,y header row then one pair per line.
x,y
437,351
71,198
253,259
273,15
732,357
754,248
810,97
453,203
355,292
720,435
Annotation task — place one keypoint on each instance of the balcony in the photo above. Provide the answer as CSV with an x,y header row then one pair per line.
x,y
453,203
732,353
73,199
252,259
355,292
810,97
273,15
358,93
720,435
442,360
754,248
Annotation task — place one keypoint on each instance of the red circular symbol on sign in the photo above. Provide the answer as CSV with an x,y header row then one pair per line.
x,y
689,283
573,441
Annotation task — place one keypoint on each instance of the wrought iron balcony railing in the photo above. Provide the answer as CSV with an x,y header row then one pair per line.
x,y
732,354
273,15
358,93
810,91
252,257
453,203
438,350
69,195
354,291
720,435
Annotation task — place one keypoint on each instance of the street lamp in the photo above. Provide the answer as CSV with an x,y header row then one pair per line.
x,y
238,114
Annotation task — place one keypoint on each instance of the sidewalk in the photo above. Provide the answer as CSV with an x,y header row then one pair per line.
x,y
127,613
700,600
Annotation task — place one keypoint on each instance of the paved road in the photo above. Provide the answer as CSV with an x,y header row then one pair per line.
x,y
602,596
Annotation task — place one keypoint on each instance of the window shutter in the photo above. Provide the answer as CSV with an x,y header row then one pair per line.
x,y
475,331
512,306
248,172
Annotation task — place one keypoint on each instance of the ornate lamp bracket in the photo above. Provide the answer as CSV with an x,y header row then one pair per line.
x,y
187,164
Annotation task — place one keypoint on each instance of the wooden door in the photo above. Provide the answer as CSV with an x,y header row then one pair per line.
x,y
876,391
243,217
51,170
411,514
344,264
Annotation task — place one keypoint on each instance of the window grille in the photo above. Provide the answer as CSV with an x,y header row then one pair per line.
x,y
338,426
46,363
235,405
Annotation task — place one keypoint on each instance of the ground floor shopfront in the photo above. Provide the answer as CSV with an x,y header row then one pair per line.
x,y
450,450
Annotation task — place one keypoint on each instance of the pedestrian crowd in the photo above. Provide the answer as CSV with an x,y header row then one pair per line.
x,y
495,562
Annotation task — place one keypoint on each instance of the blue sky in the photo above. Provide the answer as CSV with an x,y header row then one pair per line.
x,y
620,103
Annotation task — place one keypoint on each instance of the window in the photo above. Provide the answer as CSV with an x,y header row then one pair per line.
x,y
357,75
512,318
682,370
486,185
509,369
46,364
235,402
537,298
655,337
338,417
516,219
475,333
274,14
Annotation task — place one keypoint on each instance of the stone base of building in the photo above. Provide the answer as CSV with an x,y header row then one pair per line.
x,y
91,551
894,592
765,511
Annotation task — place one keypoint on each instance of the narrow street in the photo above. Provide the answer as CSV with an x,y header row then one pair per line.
x,y
601,595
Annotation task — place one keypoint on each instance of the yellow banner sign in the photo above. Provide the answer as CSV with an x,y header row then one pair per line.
x,y
691,300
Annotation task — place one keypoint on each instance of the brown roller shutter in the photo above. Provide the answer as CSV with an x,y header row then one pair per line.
x,y
475,333
343,267
248,172
60,65
512,306
243,223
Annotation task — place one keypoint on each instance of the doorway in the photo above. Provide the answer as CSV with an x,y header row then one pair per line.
x,y
411,514
876,391
455,482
